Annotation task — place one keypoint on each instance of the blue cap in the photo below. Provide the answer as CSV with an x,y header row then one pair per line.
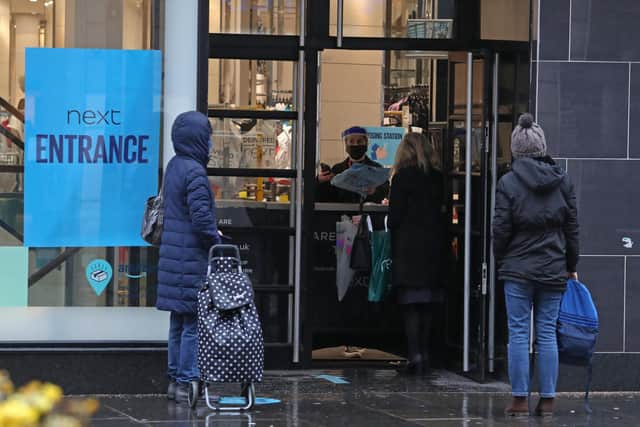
x,y
354,130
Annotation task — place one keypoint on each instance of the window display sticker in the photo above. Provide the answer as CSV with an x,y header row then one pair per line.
x,y
92,145
99,273
14,263
383,143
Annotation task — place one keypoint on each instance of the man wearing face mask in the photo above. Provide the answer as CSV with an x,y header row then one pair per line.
x,y
356,144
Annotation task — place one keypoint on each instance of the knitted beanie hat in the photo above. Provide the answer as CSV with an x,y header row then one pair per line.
x,y
527,139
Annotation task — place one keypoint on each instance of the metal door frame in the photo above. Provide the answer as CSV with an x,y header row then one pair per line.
x,y
484,345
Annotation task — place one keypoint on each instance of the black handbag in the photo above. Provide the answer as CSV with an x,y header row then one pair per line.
x,y
153,219
361,257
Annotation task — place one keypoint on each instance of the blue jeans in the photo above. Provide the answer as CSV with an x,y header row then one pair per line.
x,y
183,348
546,304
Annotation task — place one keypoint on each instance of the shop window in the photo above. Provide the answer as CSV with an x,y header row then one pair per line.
x,y
58,277
255,214
122,277
423,19
267,17
251,84
230,191
252,143
129,276
123,24
11,202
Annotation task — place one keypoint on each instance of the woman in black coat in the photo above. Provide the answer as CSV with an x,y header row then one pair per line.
x,y
417,234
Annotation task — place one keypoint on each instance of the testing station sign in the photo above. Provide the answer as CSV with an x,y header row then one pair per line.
x,y
92,126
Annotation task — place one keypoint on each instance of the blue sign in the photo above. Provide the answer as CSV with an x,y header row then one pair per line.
x,y
99,273
92,126
383,143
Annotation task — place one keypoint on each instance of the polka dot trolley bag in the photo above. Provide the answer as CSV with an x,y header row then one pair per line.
x,y
230,343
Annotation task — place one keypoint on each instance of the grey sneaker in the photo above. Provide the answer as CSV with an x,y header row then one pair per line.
x,y
171,390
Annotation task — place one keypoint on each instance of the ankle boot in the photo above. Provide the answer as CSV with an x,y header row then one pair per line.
x,y
545,407
519,407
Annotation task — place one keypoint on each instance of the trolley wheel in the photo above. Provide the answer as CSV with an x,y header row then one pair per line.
x,y
194,392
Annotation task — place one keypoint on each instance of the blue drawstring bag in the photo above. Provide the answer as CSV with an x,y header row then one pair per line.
x,y
577,330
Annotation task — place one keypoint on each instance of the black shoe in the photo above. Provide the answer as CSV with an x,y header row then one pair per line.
x,y
182,393
171,390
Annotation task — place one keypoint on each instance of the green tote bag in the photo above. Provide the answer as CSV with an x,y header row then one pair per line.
x,y
380,279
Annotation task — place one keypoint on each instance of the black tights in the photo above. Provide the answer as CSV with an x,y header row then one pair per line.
x,y
417,321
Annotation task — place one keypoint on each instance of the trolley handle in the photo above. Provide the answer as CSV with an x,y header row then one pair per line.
x,y
222,248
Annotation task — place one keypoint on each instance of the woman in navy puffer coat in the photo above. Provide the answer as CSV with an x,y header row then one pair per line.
x,y
189,231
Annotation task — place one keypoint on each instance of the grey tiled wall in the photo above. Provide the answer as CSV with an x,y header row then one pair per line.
x,y
587,99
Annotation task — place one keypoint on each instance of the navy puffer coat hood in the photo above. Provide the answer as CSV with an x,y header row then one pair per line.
x,y
189,216
191,136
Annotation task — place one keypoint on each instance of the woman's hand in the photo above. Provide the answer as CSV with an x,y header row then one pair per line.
x,y
573,275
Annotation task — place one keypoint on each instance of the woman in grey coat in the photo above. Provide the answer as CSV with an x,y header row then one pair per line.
x,y
535,235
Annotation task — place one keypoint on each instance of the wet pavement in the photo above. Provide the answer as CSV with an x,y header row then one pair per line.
x,y
369,398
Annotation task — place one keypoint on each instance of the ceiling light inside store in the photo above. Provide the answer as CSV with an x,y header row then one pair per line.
x,y
48,3
33,1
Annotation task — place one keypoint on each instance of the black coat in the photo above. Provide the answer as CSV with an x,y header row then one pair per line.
x,y
535,228
417,228
325,192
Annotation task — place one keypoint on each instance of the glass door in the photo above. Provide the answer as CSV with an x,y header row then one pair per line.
x,y
251,87
488,91
466,165
510,98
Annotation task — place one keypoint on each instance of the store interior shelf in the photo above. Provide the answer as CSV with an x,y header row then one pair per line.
x,y
251,204
350,207
252,114
252,173
258,229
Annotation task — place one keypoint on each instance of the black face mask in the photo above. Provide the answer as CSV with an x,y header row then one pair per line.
x,y
356,152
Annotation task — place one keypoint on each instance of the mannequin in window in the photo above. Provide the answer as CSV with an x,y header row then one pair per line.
x,y
283,138
356,144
